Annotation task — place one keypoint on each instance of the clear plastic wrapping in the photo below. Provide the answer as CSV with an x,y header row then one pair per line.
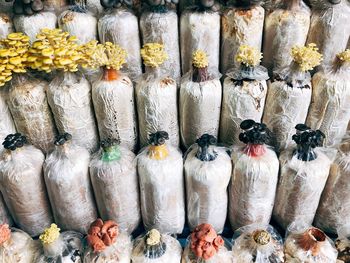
x,y
240,27
207,173
31,113
257,243
5,217
308,245
31,25
163,28
66,172
23,188
7,125
199,31
286,25
162,188
114,178
115,110
69,96
329,28
6,26
93,6
199,106
120,26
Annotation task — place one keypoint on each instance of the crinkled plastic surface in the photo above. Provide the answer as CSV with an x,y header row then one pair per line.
x,y
6,26
206,186
252,188
199,31
120,26
66,172
119,252
300,187
172,253
246,249
7,125
81,24
157,108
68,248
23,188
163,28
240,27
19,248
69,96
31,25
199,106
162,191
284,28
241,100
116,189
31,113
330,105
329,29
115,110
5,217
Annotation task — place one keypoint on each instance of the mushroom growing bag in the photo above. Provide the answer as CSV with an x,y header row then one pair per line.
x,y
67,179
6,26
7,125
207,172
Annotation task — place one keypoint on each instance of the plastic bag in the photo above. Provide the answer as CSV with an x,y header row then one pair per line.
x,y
78,22
254,177
6,26
155,247
162,186
114,178
257,243
308,245
286,25
120,26
115,109
204,245
16,246
31,25
329,28
66,247
6,125
334,208
343,244
199,106
208,173
69,96
330,105
5,217
22,185
93,6
303,175
107,244
240,26
6,7
66,172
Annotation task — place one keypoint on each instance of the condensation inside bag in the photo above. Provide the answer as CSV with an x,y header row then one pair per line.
x,y
7,125
110,179
120,26
199,106
25,193
115,110
206,186
31,113
69,96
66,172
6,26
162,191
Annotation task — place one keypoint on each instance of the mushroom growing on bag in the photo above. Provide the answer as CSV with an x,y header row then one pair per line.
x,y
6,25
200,100
106,244
22,185
330,104
114,178
200,30
289,95
303,175
286,25
159,24
66,173
254,177
244,94
162,187
156,96
242,23
119,25
155,247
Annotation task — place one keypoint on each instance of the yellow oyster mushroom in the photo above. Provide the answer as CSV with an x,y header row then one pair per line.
x,y
248,56
306,57
153,54
344,56
15,60
200,59
50,234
